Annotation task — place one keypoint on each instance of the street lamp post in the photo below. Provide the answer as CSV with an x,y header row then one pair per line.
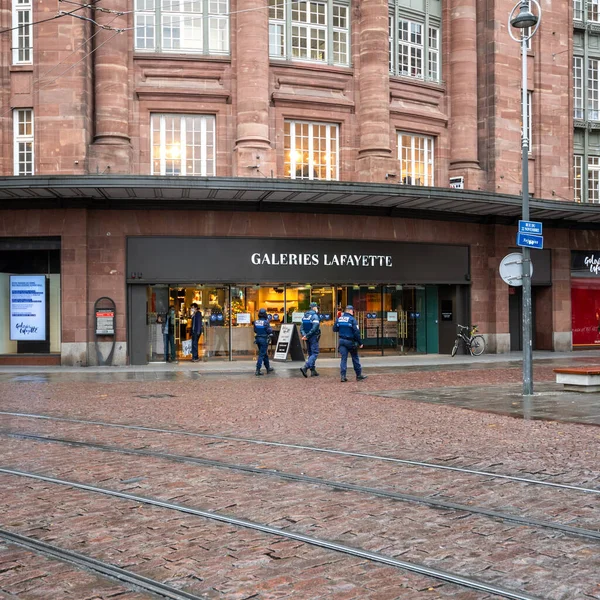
x,y
528,23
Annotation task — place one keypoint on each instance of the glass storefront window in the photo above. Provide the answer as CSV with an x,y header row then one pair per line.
x,y
390,318
38,265
585,311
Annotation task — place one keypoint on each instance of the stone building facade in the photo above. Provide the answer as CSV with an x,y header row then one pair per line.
x,y
187,118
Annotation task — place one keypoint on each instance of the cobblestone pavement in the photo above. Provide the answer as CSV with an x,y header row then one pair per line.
x,y
407,414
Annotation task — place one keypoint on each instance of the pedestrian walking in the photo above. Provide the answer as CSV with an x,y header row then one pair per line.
x,y
349,343
197,330
262,334
311,333
168,330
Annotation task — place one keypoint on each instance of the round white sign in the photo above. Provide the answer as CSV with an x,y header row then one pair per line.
x,y
511,269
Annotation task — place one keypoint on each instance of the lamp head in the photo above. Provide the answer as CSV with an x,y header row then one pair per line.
x,y
525,18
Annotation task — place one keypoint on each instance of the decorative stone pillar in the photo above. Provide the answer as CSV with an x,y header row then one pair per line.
x,y
375,159
254,155
111,150
464,158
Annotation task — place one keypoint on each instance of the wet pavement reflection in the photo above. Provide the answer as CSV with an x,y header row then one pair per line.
x,y
549,402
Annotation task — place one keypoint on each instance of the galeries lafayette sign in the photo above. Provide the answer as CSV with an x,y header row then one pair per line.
x,y
327,260
293,260
585,264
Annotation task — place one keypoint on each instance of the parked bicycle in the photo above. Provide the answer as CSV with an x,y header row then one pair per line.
x,y
475,344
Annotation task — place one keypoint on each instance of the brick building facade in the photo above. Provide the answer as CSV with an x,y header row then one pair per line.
x,y
322,120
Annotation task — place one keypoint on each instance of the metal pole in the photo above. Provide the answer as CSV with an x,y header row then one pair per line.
x,y
527,343
230,326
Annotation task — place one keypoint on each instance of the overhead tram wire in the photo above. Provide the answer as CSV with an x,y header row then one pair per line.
x,y
45,85
44,75
57,16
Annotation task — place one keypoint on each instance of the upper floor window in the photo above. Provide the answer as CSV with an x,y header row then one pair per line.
x,y
183,26
416,159
577,173
593,183
593,13
578,87
414,45
23,141
21,36
183,145
310,31
578,10
311,150
593,100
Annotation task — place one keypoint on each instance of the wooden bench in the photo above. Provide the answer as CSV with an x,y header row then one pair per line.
x,y
579,379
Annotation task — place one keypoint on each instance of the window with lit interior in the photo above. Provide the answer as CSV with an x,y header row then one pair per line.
x,y
183,145
311,150
416,159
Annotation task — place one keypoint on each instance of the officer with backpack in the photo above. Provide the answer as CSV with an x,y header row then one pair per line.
x,y
262,333
310,331
349,343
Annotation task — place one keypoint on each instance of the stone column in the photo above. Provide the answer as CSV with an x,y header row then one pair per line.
x,y
254,155
375,158
111,150
464,159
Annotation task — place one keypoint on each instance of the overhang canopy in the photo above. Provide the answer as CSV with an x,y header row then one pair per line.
x,y
269,195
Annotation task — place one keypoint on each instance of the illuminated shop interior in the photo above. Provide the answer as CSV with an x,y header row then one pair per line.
x,y
392,319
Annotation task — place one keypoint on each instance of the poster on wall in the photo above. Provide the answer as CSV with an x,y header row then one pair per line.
x,y
28,307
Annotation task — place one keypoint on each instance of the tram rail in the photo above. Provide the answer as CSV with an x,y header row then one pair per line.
x,y
331,451
446,576
402,497
129,578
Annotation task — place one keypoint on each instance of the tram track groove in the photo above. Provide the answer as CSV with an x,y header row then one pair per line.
x,y
376,557
135,581
332,451
401,497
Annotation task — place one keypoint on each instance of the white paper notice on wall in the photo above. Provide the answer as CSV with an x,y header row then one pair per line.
x,y
392,316
243,318
297,317
28,307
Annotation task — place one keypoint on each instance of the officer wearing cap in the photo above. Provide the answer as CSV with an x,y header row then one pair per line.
x,y
311,332
349,342
262,333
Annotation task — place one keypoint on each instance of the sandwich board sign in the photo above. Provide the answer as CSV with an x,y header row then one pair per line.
x,y
288,343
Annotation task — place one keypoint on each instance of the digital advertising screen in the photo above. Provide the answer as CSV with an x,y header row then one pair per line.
x,y
28,307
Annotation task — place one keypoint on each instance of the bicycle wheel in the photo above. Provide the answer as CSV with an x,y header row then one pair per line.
x,y
455,349
477,345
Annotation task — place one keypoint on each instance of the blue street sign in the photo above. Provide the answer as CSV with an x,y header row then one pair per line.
x,y
533,227
530,241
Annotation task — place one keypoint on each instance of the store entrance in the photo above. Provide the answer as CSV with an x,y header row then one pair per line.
x,y
214,304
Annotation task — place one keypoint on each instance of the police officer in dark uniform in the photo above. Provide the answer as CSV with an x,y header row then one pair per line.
x,y
311,333
349,342
262,333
